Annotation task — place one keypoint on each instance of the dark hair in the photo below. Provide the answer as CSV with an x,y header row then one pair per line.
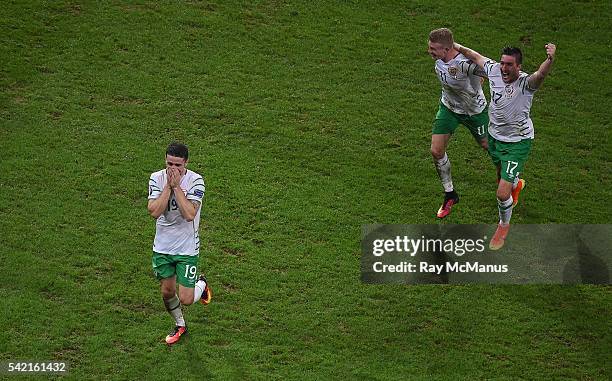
x,y
178,150
515,52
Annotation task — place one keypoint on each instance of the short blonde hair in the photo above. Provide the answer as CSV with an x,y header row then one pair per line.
x,y
442,36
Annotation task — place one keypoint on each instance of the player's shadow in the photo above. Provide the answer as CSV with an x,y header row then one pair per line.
x,y
586,267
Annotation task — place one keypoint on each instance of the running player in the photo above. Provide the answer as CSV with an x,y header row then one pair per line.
x,y
175,201
462,102
510,129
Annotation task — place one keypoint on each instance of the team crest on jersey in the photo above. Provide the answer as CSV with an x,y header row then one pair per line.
x,y
509,90
452,70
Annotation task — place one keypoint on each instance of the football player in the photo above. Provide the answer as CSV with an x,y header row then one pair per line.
x,y
462,102
175,201
510,128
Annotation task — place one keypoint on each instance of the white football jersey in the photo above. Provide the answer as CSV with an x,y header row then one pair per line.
x,y
174,234
461,85
509,119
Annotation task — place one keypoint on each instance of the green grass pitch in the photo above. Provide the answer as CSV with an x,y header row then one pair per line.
x,y
308,120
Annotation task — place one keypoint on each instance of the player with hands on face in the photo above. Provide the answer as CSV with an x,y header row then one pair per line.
x,y
175,200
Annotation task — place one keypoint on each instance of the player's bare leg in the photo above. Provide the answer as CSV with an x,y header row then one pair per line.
x,y
174,308
517,186
439,142
484,144
200,292
504,203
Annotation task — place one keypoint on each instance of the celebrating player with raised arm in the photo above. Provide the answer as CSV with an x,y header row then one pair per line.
x,y
462,102
175,200
510,126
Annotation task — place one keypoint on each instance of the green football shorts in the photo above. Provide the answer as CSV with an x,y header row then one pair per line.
x,y
446,122
510,157
185,267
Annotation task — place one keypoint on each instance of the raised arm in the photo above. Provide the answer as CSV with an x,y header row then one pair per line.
x,y
535,80
472,55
